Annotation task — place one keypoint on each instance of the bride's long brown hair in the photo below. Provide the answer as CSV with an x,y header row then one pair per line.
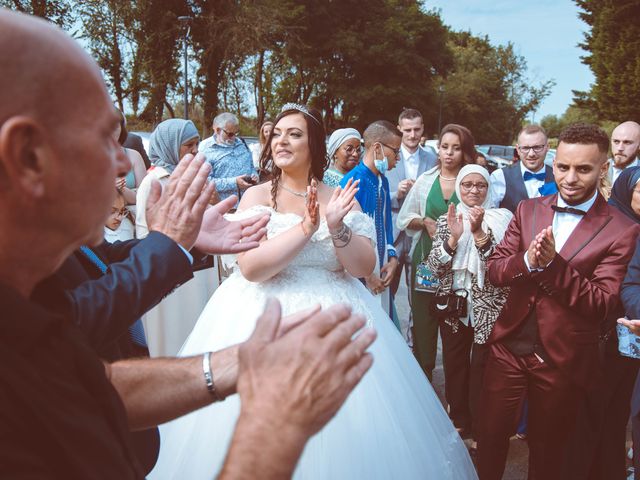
x,y
317,149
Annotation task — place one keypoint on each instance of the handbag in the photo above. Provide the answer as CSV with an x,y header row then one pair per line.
x,y
425,281
450,304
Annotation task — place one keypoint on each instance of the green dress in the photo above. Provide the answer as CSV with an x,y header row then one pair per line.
x,y
425,327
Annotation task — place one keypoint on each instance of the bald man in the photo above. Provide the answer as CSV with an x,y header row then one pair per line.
x,y
63,412
625,144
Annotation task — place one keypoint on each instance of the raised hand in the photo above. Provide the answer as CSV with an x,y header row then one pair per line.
x,y
311,220
218,235
476,215
454,221
545,247
177,210
341,203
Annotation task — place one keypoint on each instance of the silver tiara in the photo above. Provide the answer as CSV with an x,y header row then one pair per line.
x,y
300,108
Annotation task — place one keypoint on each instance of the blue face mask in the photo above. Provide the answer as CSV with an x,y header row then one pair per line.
x,y
381,165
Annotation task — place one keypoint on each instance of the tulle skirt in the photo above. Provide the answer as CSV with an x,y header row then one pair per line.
x,y
392,426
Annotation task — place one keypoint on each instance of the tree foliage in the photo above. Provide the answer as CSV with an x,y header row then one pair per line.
x,y
59,12
612,47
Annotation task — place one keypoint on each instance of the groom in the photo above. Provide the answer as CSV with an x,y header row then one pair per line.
x,y
291,378
564,257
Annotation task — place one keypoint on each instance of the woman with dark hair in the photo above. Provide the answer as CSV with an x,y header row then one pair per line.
x,y
128,185
318,243
429,198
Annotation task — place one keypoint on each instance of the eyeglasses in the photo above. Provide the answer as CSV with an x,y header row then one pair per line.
x,y
535,148
120,212
396,151
230,134
468,186
350,149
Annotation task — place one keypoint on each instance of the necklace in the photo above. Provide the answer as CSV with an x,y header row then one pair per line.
x,y
447,179
293,192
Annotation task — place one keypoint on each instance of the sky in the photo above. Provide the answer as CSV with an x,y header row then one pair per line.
x,y
545,32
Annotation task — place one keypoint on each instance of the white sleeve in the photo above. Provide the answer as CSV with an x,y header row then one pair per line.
x,y
498,188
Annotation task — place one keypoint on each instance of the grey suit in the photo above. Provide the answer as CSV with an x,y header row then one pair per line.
x,y
402,242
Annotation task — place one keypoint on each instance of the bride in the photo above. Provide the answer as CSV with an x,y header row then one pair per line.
x,y
392,425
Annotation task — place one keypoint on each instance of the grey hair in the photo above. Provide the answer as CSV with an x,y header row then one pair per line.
x,y
223,118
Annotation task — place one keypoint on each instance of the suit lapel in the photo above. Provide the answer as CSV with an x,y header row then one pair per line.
x,y
595,220
401,173
423,157
542,215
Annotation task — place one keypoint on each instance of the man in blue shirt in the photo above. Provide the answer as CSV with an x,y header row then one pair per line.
x,y
382,144
230,159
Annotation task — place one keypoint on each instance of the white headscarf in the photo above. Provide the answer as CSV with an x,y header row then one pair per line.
x,y
338,137
466,261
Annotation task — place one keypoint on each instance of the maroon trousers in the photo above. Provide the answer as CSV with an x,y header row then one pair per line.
x,y
553,401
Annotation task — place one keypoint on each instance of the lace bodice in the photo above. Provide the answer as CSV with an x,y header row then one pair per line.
x,y
319,252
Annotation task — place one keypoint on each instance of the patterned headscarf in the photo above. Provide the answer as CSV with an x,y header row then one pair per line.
x,y
166,139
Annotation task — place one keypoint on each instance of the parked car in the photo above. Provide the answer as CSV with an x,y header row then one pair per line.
x,y
551,155
501,151
495,161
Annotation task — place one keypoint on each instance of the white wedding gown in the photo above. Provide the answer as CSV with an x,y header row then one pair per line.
x,y
392,426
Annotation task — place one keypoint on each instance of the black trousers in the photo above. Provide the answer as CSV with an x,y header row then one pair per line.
x,y
463,363
597,446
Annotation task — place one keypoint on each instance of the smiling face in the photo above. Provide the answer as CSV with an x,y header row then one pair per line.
x,y
528,143
412,130
577,169
290,144
450,151
473,190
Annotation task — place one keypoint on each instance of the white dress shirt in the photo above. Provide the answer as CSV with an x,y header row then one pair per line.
x,y
565,223
499,185
411,162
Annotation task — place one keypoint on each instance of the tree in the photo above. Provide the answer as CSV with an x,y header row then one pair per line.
x,y
612,48
59,12
488,90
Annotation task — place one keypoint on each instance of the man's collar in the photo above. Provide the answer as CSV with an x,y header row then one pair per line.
x,y
584,206
405,151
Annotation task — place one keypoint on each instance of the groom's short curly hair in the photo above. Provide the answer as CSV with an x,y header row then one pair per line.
x,y
585,134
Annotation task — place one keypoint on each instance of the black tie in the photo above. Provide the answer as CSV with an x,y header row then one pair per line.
x,y
573,211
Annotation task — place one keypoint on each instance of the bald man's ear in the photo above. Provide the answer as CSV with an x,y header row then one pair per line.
x,y
23,156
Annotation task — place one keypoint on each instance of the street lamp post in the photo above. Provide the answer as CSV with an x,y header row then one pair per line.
x,y
186,22
441,94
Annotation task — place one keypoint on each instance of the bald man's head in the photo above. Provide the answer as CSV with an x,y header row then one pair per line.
x,y
625,143
58,158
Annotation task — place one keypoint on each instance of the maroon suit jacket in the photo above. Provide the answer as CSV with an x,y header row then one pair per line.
x,y
574,294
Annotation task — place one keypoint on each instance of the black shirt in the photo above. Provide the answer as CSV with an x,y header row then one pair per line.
x,y
60,417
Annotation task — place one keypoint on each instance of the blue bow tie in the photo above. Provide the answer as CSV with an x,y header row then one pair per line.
x,y
537,176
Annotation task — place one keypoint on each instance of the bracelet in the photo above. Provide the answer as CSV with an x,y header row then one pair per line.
x,y
342,238
482,241
208,377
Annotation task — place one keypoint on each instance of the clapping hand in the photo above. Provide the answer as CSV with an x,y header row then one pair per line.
x,y
545,247
341,203
476,215
456,226
311,220
219,236
404,186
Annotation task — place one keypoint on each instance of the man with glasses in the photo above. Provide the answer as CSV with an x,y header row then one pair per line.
x,y
382,149
523,179
231,162
413,162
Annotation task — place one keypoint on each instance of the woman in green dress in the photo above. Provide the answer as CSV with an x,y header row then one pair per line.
x,y
429,198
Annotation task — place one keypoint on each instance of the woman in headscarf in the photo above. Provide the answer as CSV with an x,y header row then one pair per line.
x,y
465,238
169,323
169,142
426,201
343,150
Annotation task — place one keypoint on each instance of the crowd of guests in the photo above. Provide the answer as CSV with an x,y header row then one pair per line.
x,y
526,275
